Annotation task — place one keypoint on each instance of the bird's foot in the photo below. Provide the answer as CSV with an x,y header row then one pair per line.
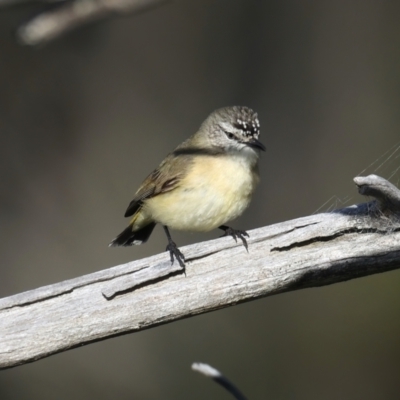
x,y
174,252
235,233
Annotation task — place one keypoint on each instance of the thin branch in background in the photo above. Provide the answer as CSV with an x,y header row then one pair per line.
x,y
216,376
11,3
70,15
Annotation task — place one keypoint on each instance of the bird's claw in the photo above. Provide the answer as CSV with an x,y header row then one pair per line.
x,y
174,252
236,233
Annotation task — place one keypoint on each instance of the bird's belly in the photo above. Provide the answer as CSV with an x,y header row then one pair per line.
x,y
208,197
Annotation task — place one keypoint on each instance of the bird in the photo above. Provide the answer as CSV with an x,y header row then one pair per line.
x,y
205,182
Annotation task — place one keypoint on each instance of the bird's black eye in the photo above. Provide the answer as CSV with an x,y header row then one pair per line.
x,y
230,135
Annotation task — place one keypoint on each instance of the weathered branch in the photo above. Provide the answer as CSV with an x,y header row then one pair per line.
x,y
313,251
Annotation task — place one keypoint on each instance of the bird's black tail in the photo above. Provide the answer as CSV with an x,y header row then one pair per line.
x,y
128,238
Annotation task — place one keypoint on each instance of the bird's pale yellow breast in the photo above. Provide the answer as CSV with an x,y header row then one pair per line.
x,y
226,175
214,190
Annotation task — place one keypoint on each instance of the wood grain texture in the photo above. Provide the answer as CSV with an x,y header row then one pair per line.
x,y
312,251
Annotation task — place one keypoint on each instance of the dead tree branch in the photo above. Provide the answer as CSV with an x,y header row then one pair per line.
x,y
312,251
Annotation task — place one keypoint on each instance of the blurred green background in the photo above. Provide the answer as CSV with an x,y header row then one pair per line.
x,y
84,119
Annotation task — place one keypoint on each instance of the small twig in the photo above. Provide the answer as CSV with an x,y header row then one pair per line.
x,y
216,376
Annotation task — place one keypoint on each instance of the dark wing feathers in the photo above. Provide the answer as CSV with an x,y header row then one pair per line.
x,y
163,179
135,204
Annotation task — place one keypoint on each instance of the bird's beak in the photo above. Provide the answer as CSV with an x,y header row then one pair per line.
x,y
256,144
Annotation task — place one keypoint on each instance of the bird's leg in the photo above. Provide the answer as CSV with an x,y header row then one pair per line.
x,y
173,249
235,233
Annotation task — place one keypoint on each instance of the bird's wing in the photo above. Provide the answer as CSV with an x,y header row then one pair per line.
x,y
163,179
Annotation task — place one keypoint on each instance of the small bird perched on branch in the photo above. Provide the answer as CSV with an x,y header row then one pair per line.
x,y
206,181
